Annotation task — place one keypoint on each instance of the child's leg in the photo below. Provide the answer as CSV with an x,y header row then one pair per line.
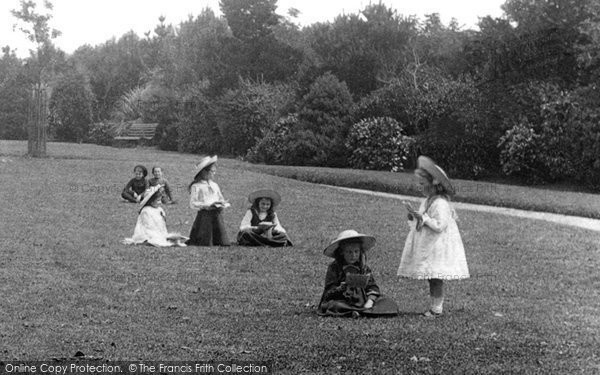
x,y
128,196
436,291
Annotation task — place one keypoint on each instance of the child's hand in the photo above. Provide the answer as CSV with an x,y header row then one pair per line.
x,y
368,304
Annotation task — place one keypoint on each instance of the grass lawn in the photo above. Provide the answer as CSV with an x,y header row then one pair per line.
x,y
69,285
555,199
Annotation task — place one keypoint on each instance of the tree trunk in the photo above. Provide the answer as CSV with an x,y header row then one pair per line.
x,y
37,121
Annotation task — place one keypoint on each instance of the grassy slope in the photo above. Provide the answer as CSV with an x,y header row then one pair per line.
x,y
493,194
68,285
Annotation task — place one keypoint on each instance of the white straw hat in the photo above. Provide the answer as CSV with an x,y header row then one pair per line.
x,y
149,193
367,241
265,193
438,174
204,162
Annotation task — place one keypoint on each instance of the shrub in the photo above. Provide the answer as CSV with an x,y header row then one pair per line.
x,y
325,115
326,109
71,108
461,156
271,148
245,114
167,135
564,144
378,143
101,133
196,130
519,156
303,147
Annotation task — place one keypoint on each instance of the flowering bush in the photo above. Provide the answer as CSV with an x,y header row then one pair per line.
x,y
378,143
519,152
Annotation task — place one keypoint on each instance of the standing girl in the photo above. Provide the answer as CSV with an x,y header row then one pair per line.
x,y
433,250
260,226
205,197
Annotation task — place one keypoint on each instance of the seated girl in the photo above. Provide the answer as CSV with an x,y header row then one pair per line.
x,y
260,226
350,288
135,188
151,226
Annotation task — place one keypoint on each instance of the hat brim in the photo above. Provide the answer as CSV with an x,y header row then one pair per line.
x,y
367,243
205,162
149,193
265,193
436,172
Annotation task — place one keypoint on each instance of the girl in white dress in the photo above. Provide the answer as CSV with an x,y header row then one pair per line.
x,y
433,250
151,226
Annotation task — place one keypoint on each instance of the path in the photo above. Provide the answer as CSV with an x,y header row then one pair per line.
x,y
576,221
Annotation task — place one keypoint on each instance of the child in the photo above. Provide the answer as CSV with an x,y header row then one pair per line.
x,y
135,188
260,226
205,197
350,289
434,248
159,179
151,226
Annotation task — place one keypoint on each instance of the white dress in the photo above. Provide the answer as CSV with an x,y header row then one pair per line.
x,y
151,227
436,251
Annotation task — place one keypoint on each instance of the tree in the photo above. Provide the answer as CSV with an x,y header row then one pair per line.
x,y
71,108
250,20
37,29
14,95
201,52
255,52
113,68
363,49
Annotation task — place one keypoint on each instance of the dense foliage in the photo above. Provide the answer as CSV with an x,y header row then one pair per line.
x,y
378,143
516,97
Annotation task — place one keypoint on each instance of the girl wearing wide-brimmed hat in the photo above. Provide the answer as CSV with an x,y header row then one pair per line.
x,y
206,198
350,288
260,226
434,249
151,225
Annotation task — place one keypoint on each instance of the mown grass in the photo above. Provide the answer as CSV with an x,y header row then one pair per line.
x,y
68,284
479,192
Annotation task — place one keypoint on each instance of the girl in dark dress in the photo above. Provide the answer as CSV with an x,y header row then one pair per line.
x,y
260,226
350,288
135,188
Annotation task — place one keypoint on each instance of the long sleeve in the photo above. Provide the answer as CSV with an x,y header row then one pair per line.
x,y
127,187
167,188
438,216
333,280
278,227
217,189
198,198
372,287
246,221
